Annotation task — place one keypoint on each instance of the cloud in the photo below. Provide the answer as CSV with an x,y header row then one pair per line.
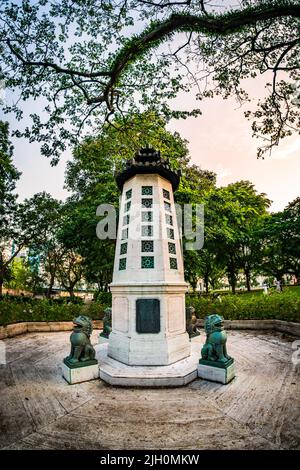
x,y
222,172
289,150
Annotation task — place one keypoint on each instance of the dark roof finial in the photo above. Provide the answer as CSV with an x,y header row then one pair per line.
x,y
148,160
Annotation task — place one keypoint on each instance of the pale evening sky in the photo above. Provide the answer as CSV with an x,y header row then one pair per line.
x,y
219,140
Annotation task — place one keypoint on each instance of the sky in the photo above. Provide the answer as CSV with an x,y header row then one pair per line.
x,y
219,140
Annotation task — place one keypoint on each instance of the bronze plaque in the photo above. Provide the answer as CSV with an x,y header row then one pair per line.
x,y
147,316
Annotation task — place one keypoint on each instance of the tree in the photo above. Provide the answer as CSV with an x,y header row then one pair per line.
x,y
275,261
8,204
52,257
31,225
8,179
90,177
195,183
192,268
91,59
19,274
211,270
291,231
46,216
280,234
70,271
250,252
231,212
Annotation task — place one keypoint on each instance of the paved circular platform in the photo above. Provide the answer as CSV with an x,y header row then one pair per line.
x,y
259,409
173,375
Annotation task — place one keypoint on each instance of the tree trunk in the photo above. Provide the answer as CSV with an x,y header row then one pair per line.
x,y
231,273
279,277
1,286
50,287
248,284
206,282
232,281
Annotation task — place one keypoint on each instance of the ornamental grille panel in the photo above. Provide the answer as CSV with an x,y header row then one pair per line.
x,y
173,263
147,262
147,216
127,206
147,203
166,194
167,206
147,230
170,233
123,249
122,264
124,233
147,245
128,194
172,248
169,219
147,190
126,219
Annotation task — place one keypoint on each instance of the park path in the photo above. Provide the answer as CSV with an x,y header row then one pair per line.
x,y
260,409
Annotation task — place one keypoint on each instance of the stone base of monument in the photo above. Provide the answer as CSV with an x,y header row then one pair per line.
x,y
74,375
102,339
173,375
216,371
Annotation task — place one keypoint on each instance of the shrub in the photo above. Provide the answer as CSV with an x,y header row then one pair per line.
x,y
281,306
13,311
103,297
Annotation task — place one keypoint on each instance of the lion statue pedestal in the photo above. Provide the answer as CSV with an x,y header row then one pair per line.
x,y
81,365
215,364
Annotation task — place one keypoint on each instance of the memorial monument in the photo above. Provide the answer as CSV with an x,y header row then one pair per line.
x,y
148,287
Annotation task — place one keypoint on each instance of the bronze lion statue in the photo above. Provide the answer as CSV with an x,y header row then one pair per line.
x,y
82,351
214,348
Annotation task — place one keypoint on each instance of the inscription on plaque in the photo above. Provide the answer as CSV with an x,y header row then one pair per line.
x,y
147,316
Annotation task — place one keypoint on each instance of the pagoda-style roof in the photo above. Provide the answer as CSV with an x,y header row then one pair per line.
x,y
148,160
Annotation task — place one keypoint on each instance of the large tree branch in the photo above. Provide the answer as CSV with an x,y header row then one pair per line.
x,y
163,4
55,67
221,25
12,257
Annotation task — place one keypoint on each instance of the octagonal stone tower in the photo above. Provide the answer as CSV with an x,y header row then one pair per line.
x,y
148,287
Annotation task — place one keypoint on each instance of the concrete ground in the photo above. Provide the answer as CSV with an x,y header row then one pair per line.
x,y
258,410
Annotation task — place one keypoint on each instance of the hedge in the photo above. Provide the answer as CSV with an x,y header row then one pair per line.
x,y
45,310
280,306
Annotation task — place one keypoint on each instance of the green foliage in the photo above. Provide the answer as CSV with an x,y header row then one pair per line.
x,y
103,297
13,311
232,214
20,273
91,178
280,234
8,178
280,306
89,59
